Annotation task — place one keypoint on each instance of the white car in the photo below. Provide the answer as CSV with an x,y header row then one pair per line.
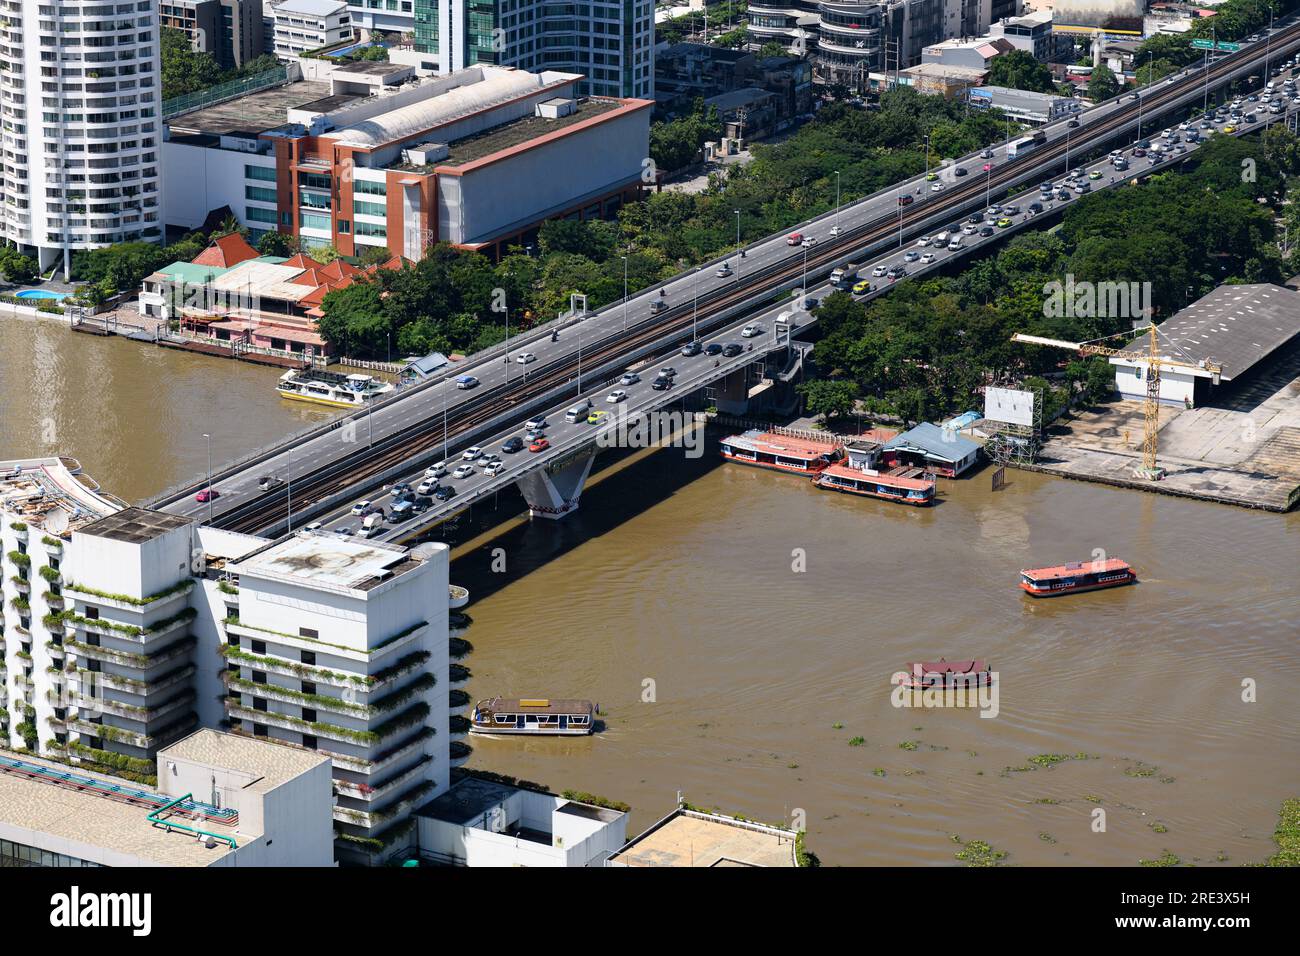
x,y
994,210
928,258
473,453
968,230
616,396
923,241
535,424
523,358
878,272
750,331
314,526
436,471
427,487
835,231
464,471
361,507
494,469
809,242
936,187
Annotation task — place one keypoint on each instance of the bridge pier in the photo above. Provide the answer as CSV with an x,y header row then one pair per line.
x,y
731,393
553,492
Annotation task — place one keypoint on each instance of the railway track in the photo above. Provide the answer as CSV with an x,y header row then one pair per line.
x,y
355,470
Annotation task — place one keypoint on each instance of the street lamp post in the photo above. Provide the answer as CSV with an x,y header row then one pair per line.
x,y
624,258
695,309
288,490
737,212
209,440
837,199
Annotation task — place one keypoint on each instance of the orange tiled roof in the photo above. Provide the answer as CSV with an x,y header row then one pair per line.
x,y
225,252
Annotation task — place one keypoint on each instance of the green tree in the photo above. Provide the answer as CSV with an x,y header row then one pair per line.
x,y
1102,85
183,69
829,398
278,244
1021,71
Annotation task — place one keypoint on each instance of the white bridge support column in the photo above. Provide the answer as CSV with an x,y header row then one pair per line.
x,y
553,491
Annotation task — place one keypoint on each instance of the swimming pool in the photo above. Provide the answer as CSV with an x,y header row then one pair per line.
x,y
42,294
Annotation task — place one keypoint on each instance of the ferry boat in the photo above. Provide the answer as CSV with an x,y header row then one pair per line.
x,y
532,717
876,484
331,388
940,673
797,456
1077,576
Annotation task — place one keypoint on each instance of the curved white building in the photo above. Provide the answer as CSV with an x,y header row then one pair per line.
x,y
80,98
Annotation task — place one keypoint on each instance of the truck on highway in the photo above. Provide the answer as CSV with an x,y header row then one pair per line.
x,y
843,277
373,524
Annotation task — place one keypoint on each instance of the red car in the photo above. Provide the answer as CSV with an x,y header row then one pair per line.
x,y
540,445
207,495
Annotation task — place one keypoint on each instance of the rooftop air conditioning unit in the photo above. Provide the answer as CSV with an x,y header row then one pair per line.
x,y
555,108
426,153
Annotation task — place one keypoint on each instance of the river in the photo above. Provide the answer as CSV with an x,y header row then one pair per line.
x,y
134,414
671,598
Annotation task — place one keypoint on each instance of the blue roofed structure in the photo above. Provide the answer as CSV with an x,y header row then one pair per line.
x,y
940,450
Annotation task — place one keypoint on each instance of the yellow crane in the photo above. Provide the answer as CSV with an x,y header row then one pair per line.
x,y
1155,362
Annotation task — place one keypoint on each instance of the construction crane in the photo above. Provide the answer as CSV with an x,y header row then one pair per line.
x,y
1155,362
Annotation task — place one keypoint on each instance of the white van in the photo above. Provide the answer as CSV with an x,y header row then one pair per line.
x,y
580,410
941,238
954,243
373,524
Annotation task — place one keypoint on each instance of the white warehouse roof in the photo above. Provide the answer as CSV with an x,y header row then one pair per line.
x,y
406,121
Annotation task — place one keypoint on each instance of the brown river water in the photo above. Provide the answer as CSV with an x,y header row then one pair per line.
x,y
670,599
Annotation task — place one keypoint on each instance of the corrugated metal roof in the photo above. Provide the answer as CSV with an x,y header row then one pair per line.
x,y
936,441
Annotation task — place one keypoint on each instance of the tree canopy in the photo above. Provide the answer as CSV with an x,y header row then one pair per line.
x,y
1019,70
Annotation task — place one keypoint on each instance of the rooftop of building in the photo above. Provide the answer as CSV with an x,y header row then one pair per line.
x,y
136,525
328,562
943,443
372,68
735,99
470,797
313,8
693,838
479,89
688,49
521,131
1236,326
946,71
268,764
249,115
87,818
52,494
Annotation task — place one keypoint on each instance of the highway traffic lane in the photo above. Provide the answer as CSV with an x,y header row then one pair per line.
x,y
692,372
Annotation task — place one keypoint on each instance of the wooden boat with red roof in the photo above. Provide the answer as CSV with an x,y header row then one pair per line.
x,y
796,455
1077,576
876,484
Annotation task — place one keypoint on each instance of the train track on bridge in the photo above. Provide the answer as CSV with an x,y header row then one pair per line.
x,y
424,436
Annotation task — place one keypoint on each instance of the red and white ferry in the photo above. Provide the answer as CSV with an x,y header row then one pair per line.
x,y
796,455
875,484
1077,576
941,673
